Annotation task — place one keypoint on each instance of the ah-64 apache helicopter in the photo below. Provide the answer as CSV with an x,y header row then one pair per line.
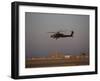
x,y
59,34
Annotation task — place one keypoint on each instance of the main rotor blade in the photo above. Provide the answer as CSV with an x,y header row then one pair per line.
x,y
51,32
63,30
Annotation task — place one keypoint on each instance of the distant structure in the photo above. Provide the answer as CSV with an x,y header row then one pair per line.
x,y
59,55
56,55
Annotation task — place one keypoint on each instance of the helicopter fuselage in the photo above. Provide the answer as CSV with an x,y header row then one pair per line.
x,y
61,35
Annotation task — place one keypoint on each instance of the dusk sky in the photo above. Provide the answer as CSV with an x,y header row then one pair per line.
x,y
39,43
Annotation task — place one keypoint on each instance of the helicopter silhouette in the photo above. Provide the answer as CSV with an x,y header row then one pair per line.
x,y
59,34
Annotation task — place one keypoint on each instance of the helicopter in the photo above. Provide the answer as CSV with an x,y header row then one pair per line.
x,y
59,34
